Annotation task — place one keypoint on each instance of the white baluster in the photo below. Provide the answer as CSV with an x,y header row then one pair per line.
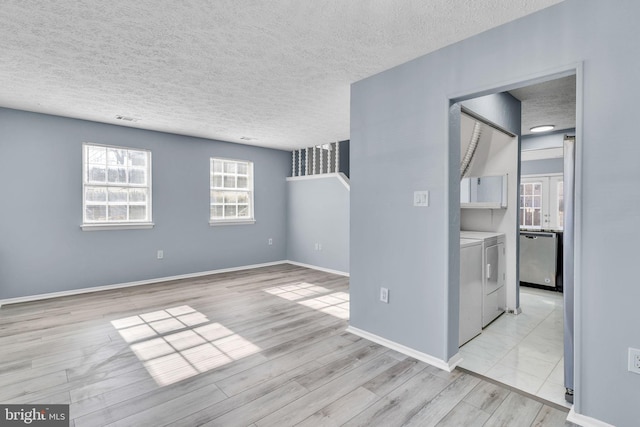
x,y
337,157
313,170
293,163
306,161
299,161
321,159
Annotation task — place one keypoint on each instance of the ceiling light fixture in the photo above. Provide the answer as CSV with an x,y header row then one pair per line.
x,y
542,128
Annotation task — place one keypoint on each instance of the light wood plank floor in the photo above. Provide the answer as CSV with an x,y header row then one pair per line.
x,y
262,347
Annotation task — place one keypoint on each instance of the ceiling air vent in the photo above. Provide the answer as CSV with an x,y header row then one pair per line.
x,y
127,119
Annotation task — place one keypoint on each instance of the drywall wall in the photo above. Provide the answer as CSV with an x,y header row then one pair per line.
x,y
400,143
43,249
546,140
542,166
318,221
543,151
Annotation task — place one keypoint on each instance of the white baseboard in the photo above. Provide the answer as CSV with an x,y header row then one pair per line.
x,y
130,284
315,267
584,421
426,358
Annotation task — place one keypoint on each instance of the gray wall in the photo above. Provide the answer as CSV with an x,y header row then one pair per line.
x,y
501,109
318,212
540,142
400,143
547,140
43,249
542,166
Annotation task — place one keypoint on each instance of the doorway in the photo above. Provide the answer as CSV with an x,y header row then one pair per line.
x,y
534,320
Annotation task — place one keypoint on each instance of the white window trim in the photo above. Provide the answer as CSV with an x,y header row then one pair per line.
x,y
234,221
103,226
117,226
218,222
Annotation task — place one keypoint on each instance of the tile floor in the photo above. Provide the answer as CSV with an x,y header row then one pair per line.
x,y
524,351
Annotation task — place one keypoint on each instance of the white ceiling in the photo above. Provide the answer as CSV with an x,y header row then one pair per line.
x,y
277,71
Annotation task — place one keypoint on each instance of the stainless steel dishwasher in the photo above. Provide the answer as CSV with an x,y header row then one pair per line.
x,y
538,258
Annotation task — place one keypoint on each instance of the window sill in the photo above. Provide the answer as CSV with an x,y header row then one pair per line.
x,y
232,222
116,226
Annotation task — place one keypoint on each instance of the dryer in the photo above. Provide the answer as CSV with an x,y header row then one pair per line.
x,y
494,295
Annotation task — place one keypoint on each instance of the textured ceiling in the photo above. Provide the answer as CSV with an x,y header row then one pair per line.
x,y
548,103
276,71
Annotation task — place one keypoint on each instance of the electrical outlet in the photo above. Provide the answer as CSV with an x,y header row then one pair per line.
x,y
634,360
270,241
384,295
160,254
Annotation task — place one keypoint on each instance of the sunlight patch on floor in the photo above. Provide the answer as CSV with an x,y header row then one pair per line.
x,y
180,342
316,297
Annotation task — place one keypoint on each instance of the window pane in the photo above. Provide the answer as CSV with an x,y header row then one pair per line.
x,y
117,213
229,211
137,213
536,218
527,189
242,168
138,158
95,213
537,189
96,155
243,211
93,194
230,197
118,175
217,196
118,195
522,217
243,198
216,212
137,176
243,182
137,195
229,182
217,166
536,201
97,174
230,167
217,181
528,217
116,156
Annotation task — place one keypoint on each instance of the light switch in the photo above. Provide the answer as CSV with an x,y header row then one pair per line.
x,y
420,198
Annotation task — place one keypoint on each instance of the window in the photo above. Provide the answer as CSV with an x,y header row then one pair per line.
x,y
531,204
231,192
116,187
541,202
